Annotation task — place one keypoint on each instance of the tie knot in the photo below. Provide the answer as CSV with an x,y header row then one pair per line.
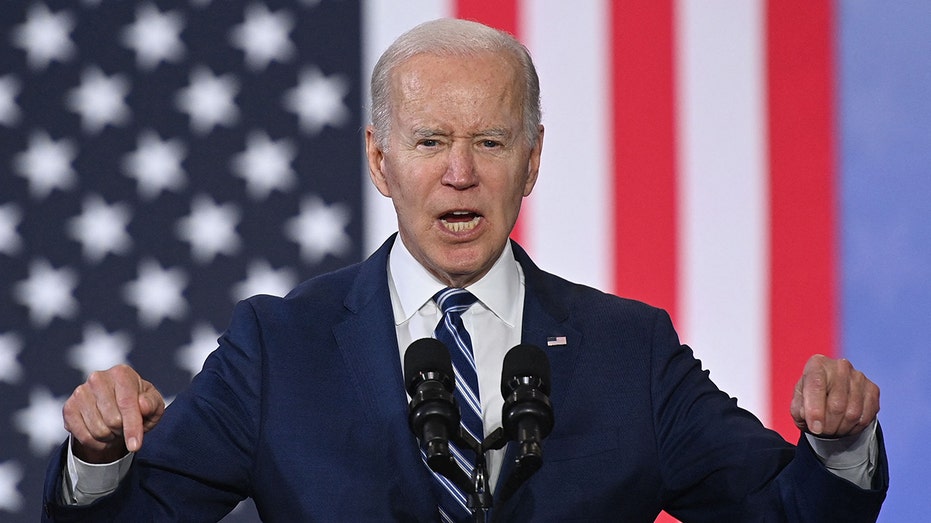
x,y
454,300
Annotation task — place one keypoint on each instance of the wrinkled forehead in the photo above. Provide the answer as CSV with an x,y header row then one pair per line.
x,y
475,78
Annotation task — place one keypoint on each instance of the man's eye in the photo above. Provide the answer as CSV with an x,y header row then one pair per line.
x,y
429,143
490,144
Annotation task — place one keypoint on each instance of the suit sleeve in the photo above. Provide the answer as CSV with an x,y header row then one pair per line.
x,y
196,464
719,463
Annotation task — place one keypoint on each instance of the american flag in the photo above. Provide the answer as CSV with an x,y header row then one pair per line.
x,y
161,160
753,166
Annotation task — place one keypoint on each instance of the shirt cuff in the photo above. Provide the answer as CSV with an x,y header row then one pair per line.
x,y
851,457
85,482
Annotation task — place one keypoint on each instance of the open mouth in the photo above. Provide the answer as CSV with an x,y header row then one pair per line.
x,y
460,221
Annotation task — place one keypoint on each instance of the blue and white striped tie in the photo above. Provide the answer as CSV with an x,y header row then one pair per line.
x,y
453,302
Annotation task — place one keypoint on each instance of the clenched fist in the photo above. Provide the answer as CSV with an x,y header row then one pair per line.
x,y
833,399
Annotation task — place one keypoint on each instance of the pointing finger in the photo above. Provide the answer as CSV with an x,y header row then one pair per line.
x,y
127,388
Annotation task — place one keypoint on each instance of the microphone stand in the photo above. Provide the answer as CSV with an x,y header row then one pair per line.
x,y
527,418
479,495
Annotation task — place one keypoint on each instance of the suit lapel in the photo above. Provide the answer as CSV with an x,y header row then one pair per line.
x,y
367,340
546,325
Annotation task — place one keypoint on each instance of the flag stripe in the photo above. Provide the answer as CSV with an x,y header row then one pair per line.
x,y
645,192
722,186
568,218
803,246
501,14
645,189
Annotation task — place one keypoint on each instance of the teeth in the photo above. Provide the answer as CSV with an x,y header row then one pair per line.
x,y
462,226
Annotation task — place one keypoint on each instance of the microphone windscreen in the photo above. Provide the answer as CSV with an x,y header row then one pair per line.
x,y
425,355
522,361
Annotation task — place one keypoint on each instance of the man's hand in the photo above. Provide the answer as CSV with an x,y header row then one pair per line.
x,y
108,415
833,399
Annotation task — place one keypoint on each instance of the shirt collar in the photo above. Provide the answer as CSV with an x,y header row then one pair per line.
x,y
412,286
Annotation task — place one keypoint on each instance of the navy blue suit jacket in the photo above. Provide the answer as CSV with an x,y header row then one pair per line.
x,y
303,408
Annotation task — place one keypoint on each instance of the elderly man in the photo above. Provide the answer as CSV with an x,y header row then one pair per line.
x,y
303,406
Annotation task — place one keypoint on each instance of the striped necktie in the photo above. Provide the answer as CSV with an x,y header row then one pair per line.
x,y
450,330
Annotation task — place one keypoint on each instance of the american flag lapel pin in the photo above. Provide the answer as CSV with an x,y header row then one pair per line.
x,y
555,341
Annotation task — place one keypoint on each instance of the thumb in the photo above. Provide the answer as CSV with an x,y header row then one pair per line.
x,y
151,406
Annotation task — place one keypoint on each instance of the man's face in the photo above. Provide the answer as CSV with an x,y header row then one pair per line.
x,y
457,161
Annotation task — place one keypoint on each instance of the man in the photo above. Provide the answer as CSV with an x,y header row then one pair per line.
x,y
303,407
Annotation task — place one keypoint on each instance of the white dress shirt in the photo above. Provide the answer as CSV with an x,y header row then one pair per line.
x,y
494,323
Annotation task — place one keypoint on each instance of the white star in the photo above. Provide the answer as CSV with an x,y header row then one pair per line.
x,y
47,164
11,473
10,347
156,293
10,241
47,293
101,228
263,36
155,36
99,100
41,421
210,229
9,111
318,100
45,36
156,165
209,100
262,279
319,229
265,165
99,350
191,357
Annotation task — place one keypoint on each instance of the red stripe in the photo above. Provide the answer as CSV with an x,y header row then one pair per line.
x,y
803,302
500,14
644,151
503,15
645,263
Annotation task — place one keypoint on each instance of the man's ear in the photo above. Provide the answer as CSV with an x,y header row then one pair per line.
x,y
533,165
376,160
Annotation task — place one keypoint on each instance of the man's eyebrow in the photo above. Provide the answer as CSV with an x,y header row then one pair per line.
x,y
426,132
494,132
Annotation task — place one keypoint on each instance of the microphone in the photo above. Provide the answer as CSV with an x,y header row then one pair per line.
x,y
527,415
434,416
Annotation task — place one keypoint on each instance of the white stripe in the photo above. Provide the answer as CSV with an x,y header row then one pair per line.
x,y
567,218
461,460
445,482
723,227
382,22
457,494
444,516
468,395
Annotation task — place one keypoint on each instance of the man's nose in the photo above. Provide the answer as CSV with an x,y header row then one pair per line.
x,y
460,169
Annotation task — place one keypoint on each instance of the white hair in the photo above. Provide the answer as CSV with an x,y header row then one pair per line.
x,y
452,37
